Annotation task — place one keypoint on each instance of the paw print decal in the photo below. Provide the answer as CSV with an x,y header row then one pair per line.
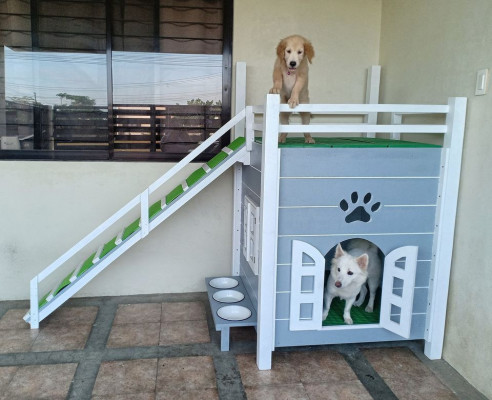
x,y
357,210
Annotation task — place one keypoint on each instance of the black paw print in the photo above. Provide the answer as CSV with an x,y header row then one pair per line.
x,y
359,213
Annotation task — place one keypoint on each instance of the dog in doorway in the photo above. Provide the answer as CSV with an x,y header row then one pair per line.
x,y
350,270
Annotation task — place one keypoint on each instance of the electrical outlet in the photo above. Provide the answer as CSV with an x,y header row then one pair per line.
x,y
482,82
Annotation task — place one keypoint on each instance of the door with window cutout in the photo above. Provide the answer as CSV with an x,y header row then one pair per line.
x,y
307,286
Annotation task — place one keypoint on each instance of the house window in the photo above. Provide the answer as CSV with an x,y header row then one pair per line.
x,y
113,79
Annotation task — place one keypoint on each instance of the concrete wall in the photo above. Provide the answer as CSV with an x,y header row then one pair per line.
x,y
431,50
46,207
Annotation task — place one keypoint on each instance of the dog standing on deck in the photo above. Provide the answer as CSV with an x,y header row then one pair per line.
x,y
290,77
349,272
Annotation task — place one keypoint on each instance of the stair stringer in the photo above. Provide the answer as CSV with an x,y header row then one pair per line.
x,y
241,155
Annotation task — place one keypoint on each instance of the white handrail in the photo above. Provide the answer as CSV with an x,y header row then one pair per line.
x,y
363,109
137,199
207,143
361,128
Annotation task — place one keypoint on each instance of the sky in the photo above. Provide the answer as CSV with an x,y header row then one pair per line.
x,y
138,77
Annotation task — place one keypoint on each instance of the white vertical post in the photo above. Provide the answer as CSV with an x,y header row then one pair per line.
x,y
396,120
372,96
445,223
34,313
240,99
236,219
270,160
144,213
250,133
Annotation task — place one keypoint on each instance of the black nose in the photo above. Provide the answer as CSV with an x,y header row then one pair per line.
x,y
292,64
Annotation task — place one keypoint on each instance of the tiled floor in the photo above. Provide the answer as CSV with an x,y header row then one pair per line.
x,y
164,347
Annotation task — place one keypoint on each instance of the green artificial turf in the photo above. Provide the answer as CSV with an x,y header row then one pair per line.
x,y
358,314
353,142
130,229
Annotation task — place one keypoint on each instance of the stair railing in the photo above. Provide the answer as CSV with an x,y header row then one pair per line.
x,y
142,199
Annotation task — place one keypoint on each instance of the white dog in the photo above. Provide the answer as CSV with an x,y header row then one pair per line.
x,y
349,272
290,77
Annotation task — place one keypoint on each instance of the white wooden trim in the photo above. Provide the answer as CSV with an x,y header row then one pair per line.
x,y
362,109
207,143
91,273
144,213
236,219
270,161
445,224
34,315
89,238
396,119
197,187
297,297
405,301
240,102
372,96
250,134
354,128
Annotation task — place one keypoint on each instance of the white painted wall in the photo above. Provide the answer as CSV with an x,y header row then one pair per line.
x,y
431,50
46,207
344,33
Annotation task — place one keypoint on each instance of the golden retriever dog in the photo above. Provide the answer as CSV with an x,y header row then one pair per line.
x,y
290,77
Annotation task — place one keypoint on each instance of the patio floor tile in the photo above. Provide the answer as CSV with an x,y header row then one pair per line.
x,y
128,335
126,378
184,332
57,337
138,313
41,382
183,311
186,373
406,375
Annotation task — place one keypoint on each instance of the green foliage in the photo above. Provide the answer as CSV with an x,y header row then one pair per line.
x,y
200,102
76,100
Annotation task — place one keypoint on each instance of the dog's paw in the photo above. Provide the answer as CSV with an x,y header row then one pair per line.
x,y
369,309
293,102
309,140
357,211
348,320
274,90
325,314
282,138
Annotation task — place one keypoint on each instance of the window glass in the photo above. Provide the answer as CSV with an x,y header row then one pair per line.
x,y
147,82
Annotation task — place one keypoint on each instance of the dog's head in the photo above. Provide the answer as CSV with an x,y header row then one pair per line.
x,y
347,269
293,50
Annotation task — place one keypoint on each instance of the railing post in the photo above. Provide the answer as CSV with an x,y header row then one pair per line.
x,y
240,101
34,314
144,213
445,222
372,96
268,226
396,119
250,133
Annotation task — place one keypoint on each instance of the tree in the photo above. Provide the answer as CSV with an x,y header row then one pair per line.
x,y
76,100
200,102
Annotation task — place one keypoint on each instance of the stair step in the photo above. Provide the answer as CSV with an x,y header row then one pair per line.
x,y
60,286
130,229
196,176
154,209
174,194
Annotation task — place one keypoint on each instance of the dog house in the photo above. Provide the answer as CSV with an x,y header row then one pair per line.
x,y
294,202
